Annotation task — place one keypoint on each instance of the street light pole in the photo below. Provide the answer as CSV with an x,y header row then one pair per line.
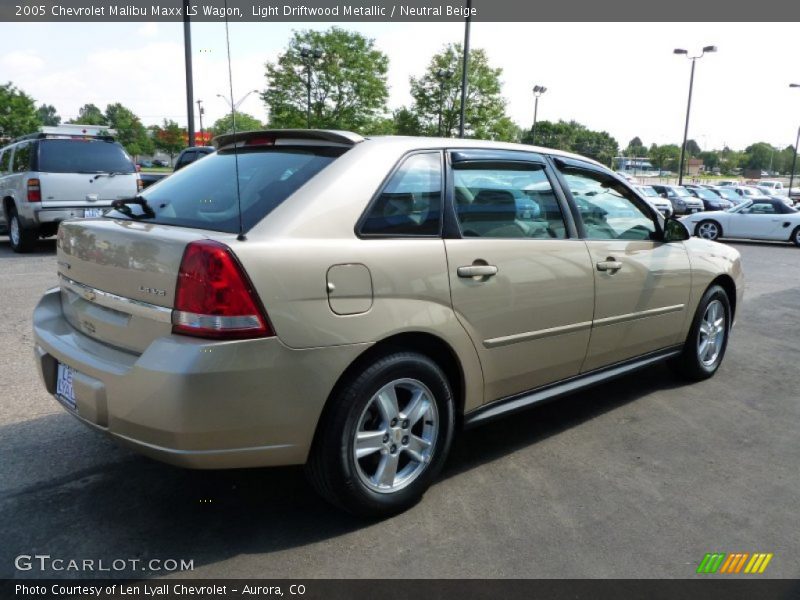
x,y
464,67
796,144
187,49
538,90
310,55
707,49
442,75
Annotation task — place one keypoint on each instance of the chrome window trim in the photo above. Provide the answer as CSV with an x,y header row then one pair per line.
x,y
136,308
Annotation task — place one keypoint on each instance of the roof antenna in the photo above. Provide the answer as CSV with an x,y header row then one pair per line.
x,y
241,237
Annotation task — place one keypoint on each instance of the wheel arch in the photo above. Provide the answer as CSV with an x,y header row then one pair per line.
x,y
427,344
726,282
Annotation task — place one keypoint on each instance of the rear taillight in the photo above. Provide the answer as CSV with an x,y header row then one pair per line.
x,y
34,191
214,297
139,184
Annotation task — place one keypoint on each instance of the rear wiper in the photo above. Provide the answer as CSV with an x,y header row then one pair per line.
x,y
122,205
108,174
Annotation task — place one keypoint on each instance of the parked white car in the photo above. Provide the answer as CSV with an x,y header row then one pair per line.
x,y
661,204
760,219
773,188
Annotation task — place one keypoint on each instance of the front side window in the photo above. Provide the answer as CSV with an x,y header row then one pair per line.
x,y
411,201
22,158
516,201
760,208
5,162
608,209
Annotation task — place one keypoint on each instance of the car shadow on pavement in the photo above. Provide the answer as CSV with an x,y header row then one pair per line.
x,y
43,247
67,492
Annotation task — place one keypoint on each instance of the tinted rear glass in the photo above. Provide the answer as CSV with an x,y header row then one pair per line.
x,y
83,156
204,194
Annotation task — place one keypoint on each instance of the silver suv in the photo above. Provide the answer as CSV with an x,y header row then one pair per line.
x,y
60,173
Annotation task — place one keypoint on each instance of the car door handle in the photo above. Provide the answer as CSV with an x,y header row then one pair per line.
x,y
609,264
477,271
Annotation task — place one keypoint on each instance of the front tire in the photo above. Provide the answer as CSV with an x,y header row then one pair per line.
x,y
796,236
707,341
385,437
708,230
22,239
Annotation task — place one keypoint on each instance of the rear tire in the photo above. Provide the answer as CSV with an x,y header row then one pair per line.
x,y
708,230
376,452
796,236
22,239
707,341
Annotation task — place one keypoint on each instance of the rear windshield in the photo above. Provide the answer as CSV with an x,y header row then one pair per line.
x,y
204,194
83,156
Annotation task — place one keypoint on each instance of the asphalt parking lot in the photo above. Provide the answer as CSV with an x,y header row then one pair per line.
x,y
637,478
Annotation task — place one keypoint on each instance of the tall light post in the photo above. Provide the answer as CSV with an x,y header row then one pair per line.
x,y
538,90
309,55
442,75
464,68
187,51
706,50
796,144
238,103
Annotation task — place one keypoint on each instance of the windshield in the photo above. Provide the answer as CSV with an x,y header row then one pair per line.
x,y
649,191
83,156
706,194
204,194
741,206
681,191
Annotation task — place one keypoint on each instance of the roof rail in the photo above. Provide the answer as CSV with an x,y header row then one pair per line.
x,y
346,138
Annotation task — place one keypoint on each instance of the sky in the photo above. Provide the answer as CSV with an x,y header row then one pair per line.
x,y
619,77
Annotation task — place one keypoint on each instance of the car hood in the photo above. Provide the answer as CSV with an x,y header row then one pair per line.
x,y
699,216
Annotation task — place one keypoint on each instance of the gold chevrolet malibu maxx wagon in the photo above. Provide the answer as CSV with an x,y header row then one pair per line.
x,y
314,297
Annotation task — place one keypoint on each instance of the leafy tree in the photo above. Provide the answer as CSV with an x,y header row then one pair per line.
x,y
635,148
244,122
17,112
710,159
692,148
485,106
170,138
348,82
47,115
407,122
574,137
89,114
130,131
759,156
665,157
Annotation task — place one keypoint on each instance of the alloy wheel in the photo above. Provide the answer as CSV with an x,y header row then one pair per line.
x,y
14,227
708,231
711,335
396,435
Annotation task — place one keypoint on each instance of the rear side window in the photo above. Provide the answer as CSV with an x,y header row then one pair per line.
x,y
22,158
5,162
411,202
83,156
205,194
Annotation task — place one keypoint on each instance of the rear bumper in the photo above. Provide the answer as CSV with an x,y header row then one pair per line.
x,y
192,402
40,216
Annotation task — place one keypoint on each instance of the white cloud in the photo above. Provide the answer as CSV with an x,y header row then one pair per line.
x,y
148,30
19,62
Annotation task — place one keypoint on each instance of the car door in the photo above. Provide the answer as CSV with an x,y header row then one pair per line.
x,y
642,284
5,169
759,220
521,282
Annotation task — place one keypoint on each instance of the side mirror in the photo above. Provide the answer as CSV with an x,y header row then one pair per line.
x,y
675,231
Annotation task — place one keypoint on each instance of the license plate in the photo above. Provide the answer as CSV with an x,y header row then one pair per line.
x,y
93,212
694,210
64,390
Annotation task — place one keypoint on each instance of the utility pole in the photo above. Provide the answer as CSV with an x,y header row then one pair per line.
x,y
706,50
187,48
464,70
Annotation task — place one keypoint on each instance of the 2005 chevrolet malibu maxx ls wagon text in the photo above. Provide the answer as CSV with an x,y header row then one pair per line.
x,y
314,297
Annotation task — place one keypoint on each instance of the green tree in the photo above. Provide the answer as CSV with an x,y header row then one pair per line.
x,y
665,157
130,131
170,138
759,156
348,81
244,122
406,122
47,115
636,148
485,106
574,137
17,112
89,114
692,148
710,158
